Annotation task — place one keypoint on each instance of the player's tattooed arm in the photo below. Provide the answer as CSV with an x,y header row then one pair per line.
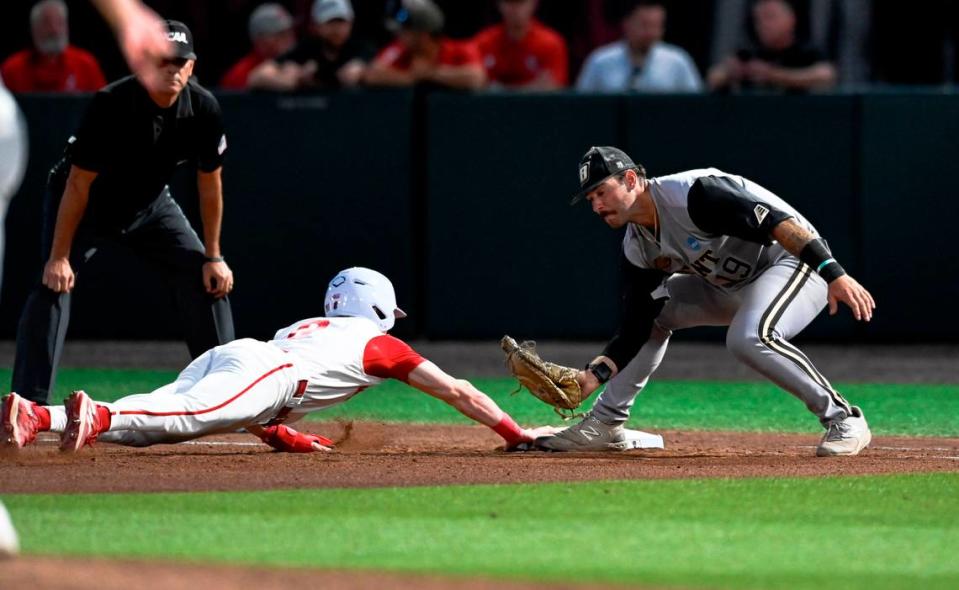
x,y
792,236
801,243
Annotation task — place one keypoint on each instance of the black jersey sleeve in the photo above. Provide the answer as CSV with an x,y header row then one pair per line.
x,y
638,312
721,206
212,138
96,139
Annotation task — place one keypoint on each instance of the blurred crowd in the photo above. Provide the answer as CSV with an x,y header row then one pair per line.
x,y
693,46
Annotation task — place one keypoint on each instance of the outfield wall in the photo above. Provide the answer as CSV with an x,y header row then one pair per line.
x,y
461,199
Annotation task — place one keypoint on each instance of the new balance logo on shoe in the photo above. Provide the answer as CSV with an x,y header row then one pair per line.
x,y
589,432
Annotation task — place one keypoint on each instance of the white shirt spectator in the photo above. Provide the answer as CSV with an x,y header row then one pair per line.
x,y
667,68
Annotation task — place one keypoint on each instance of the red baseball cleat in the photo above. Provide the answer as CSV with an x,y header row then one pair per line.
x,y
19,421
83,423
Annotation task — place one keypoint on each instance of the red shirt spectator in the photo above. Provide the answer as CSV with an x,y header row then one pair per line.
x,y
451,53
74,70
422,55
235,78
519,63
271,34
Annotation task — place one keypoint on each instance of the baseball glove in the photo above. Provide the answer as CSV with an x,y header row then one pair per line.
x,y
554,384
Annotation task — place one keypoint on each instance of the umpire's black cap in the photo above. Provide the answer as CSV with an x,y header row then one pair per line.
x,y
598,164
181,39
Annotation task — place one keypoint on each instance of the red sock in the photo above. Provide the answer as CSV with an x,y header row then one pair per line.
x,y
103,415
43,415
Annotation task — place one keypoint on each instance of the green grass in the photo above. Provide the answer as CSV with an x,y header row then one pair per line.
x,y
929,410
865,532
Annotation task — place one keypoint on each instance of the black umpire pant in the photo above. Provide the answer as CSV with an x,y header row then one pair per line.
x,y
162,237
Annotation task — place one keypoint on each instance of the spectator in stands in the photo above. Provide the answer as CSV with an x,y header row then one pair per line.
x,y
271,33
52,64
779,61
329,57
422,55
521,52
641,61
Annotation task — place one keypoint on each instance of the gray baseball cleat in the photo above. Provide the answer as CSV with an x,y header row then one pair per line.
x,y
847,436
589,435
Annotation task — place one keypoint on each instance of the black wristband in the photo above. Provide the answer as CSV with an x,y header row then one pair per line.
x,y
817,255
601,371
215,259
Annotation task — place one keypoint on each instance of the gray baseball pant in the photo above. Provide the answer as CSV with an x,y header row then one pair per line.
x,y
762,317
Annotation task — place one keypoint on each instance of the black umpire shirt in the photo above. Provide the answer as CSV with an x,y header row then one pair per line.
x,y
134,146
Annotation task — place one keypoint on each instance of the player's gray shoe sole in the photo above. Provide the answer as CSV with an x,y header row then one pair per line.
x,y
845,437
589,435
82,423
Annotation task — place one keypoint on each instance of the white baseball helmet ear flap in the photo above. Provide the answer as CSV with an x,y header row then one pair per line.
x,y
362,292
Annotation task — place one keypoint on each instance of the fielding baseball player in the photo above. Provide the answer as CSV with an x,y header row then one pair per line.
x,y
261,386
708,248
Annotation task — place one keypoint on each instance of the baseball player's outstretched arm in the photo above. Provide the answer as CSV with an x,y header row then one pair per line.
x,y
801,243
472,403
57,274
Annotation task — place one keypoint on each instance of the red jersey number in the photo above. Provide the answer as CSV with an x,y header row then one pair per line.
x,y
308,328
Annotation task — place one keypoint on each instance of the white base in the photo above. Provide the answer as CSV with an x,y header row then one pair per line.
x,y
637,439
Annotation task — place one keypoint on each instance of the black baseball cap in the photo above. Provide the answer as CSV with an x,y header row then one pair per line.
x,y
598,164
180,37
416,15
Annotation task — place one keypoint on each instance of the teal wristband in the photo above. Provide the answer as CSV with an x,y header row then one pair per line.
x,y
824,264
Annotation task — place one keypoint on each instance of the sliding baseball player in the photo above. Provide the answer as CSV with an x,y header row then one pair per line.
x,y
264,386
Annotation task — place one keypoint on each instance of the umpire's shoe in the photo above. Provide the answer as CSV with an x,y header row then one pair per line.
x,y
591,434
847,436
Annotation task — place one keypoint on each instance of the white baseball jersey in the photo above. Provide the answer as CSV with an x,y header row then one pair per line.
x,y
339,357
712,224
313,364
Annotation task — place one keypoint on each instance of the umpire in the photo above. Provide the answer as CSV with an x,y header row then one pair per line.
x,y
110,189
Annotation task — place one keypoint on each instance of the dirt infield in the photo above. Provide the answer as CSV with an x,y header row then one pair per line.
x,y
49,573
380,455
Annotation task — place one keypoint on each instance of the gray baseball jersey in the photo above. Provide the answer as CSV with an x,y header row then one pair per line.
x,y
712,224
712,262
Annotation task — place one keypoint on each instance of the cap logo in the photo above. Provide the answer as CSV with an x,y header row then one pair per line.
x,y
583,173
176,37
619,164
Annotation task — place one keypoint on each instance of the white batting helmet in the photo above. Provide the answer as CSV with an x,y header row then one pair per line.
x,y
364,293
